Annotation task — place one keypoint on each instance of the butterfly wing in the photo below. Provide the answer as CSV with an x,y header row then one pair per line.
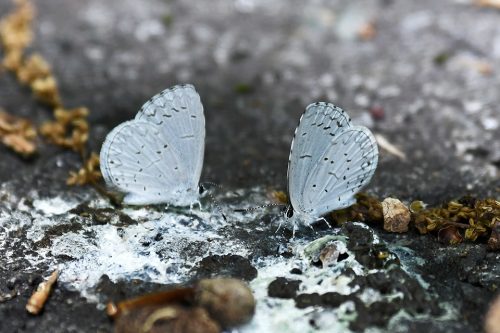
x,y
137,159
346,166
158,156
318,127
179,113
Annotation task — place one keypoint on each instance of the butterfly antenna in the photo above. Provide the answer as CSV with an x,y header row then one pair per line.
x,y
217,206
259,207
279,227
211,184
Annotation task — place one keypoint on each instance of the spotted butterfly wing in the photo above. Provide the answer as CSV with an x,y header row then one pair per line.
x,y
179,113
330,161
158,156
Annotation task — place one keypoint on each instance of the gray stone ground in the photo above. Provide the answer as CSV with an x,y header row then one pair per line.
x,y
256,65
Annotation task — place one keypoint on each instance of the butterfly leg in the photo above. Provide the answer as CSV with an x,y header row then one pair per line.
x,y
279,227
327,223
295,229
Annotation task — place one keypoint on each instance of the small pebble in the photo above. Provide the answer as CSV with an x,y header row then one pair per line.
x,y
229,301
396,215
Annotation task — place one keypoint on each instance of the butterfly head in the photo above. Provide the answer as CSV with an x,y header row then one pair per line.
x,y
295,217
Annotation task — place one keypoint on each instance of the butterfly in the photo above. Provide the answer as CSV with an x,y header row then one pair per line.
x,y
330,161
157,157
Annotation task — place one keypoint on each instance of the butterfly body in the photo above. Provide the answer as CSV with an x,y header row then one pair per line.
x,y
158,156
330,161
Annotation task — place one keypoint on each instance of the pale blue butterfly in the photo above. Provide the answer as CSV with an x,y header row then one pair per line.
x,y
330,161
158,156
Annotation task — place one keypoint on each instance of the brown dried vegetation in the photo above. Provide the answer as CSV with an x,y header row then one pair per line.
x,y
70,128
472,219
18,134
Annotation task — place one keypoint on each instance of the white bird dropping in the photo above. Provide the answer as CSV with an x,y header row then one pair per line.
x,y
157,157
330,161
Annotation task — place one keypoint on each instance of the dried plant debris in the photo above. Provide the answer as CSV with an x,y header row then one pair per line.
x,y
40,296
18,134
46,90
386,145
279,197
475,218
34,67
88,174
366,209
450,235
494,240
70,129
16,34
210,306
472,219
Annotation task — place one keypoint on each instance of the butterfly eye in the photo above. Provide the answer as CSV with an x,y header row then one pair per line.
x,y
201,189
289,212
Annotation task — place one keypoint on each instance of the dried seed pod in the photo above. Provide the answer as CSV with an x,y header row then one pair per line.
x,y
396,215
39,297
229,301
494,240
450,235
416,206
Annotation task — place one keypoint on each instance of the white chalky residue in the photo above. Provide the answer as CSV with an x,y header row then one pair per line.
x,y
281,315
132,252
54,206
153,250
